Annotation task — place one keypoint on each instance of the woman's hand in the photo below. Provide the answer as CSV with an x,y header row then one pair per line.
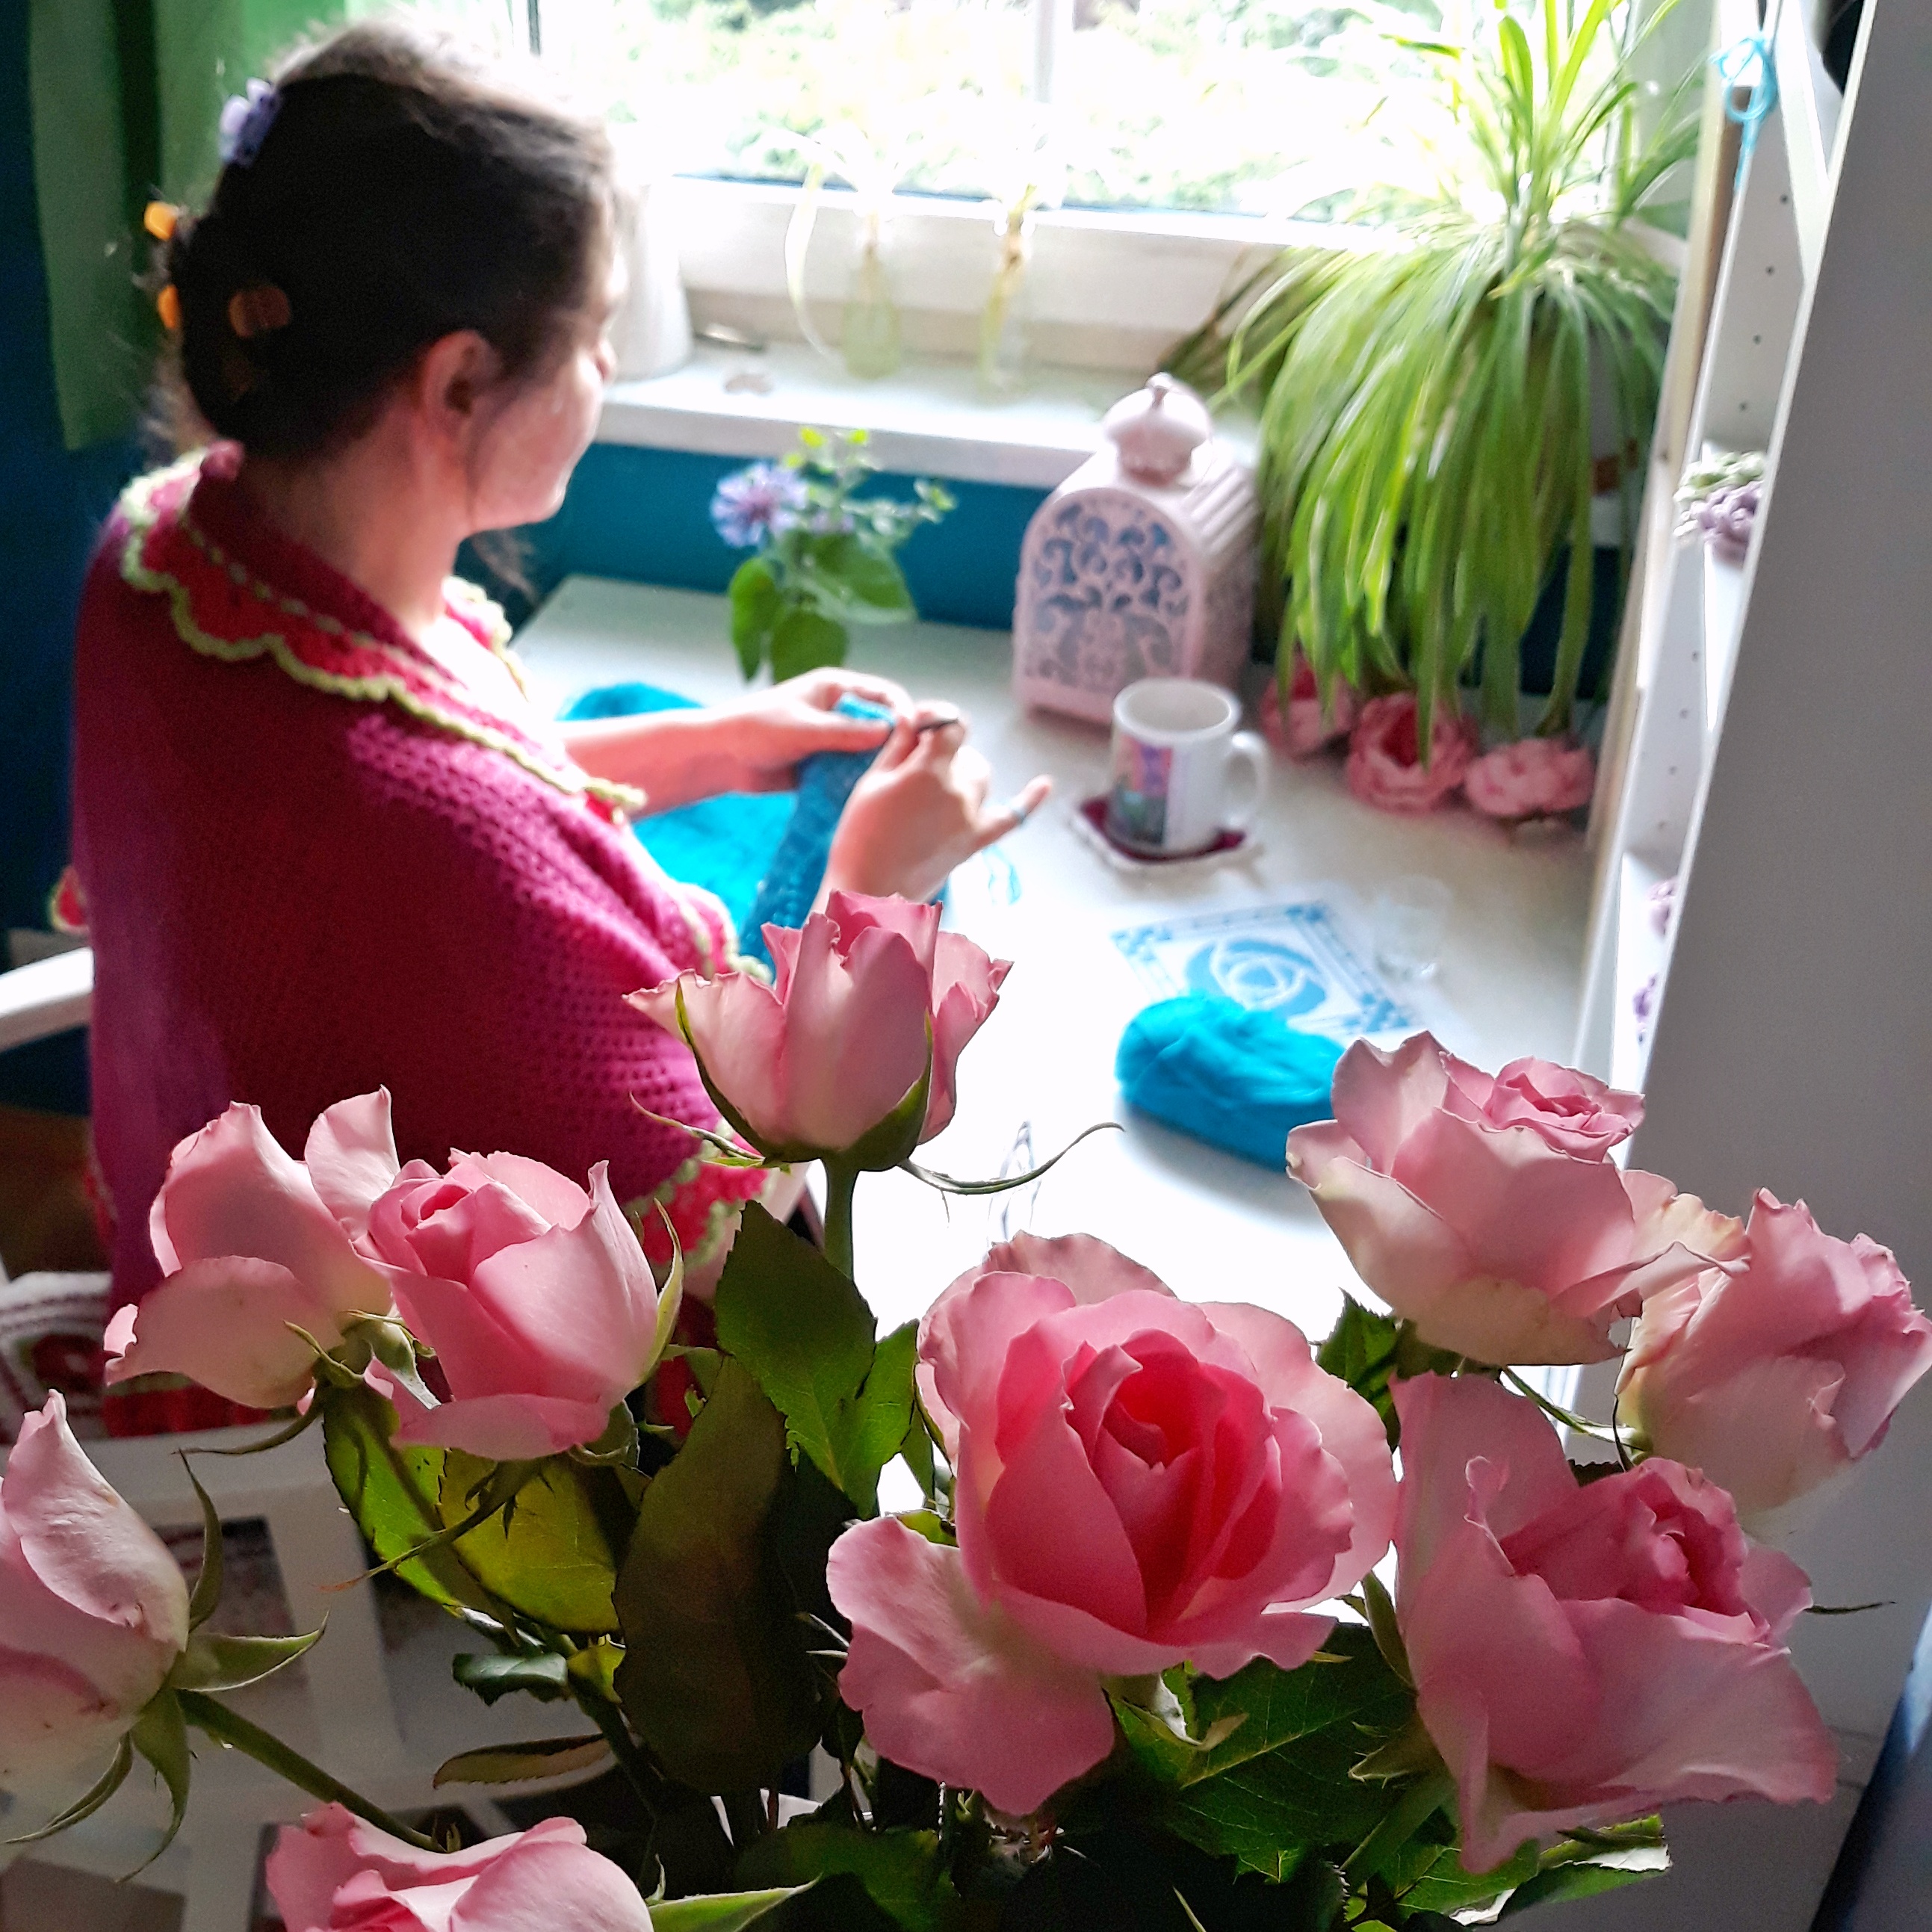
x,y
755,744
764,738
920,811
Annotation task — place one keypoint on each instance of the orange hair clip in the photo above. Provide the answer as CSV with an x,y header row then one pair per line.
x,y
160,219
167,306
258,310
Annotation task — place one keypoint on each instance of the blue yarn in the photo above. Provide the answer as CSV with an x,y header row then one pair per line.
x,y
762,853
1237,1077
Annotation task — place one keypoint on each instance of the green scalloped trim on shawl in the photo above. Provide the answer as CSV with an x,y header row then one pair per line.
x,y
138,504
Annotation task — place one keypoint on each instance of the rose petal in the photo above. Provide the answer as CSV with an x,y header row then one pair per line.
x,y
351,1157
951,1689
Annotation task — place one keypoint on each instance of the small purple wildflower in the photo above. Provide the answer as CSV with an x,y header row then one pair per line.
x,y
756,503
245,121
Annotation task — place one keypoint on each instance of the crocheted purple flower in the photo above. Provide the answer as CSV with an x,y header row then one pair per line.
x,y
1727,518
245,121
753,503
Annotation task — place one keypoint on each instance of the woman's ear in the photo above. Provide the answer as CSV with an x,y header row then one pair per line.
x,y
453,376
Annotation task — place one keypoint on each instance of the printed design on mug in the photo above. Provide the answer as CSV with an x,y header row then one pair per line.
x,y
1137,805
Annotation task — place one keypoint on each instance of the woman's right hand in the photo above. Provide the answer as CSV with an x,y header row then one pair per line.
x,y
919,811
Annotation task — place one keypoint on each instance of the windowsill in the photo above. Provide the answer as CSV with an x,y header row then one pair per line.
x,y
928,419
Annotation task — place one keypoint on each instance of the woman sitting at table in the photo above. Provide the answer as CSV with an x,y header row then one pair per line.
x,y
324,840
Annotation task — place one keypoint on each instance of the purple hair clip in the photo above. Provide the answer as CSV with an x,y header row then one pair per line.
x,y
245,121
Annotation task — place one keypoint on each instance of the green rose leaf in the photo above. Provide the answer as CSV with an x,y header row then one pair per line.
x,y
541,1674
803,641
807,1337
553,1553
392,1493
756,604
900,1870
1588,1862
1361,1351
511,1764
1277,1785
715,1677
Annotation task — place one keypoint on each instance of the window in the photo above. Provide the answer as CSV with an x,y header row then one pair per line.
x,y
1239,106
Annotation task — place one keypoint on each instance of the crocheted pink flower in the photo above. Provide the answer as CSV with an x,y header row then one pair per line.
x,y
1385,766
1304,725
1535,778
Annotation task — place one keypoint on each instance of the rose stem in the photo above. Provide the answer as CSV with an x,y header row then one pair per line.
x,y
840,1180
223,1724
1422,1798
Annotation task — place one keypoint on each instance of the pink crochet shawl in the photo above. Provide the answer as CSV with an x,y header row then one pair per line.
x,y
313,864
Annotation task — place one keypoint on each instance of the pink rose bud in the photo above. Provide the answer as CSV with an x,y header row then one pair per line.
x,y
252,1250
93,1611
1535,778
1140,1480
332,1873
1304,725
1486,1210
535,1296
1385,766
1773,1380
869,995
1582,1655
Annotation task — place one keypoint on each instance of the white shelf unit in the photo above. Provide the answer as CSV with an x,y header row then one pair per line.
x,y
1772,759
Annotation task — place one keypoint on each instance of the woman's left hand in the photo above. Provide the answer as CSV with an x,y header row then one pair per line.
x,y
759,741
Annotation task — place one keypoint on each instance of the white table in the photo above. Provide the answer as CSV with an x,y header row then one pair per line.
x,y
1213,1226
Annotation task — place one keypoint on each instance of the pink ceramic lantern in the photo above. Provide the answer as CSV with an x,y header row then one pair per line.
x,y
1141,564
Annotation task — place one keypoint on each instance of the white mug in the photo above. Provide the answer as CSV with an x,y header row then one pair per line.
x,y
1182,773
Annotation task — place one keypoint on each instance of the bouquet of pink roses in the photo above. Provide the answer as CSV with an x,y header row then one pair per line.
x,y
1197,1627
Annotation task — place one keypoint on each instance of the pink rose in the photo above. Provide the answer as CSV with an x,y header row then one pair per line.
x,y
1139,1481
1304,725
93,1611
1488,1212
251,1251
332,1872
1582,1655
1773,1380
1385,766
1533,777
868,995
534,1295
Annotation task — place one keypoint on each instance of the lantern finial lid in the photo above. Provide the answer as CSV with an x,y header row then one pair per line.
x,y
1157,430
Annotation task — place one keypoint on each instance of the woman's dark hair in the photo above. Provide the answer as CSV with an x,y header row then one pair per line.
x,y
401,193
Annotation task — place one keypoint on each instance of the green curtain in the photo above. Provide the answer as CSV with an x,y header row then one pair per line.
x,y
126,97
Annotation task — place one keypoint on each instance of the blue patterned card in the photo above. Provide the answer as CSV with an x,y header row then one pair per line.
x,y
1291,957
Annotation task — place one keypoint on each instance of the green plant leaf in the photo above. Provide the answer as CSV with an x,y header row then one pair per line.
x,y
806,1335
803,641
391,1494
858,580
756,604
542,1674
552,1552
512,1764
1361,1351
900,1870
715,1677
212,1662
721,1912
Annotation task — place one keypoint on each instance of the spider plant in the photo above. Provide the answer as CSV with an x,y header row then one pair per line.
x,y
1426,394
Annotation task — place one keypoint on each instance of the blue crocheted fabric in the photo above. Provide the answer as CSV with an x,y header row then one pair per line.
x,y
1237,1077
762,853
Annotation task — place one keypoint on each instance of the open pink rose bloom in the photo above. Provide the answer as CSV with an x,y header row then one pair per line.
x,y
868,994
1385,767
93,1611
1485,1209
252,1250
1775,1380
1583,1654
1533,778
332,1873
1140,1480
532,1291
1304,725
